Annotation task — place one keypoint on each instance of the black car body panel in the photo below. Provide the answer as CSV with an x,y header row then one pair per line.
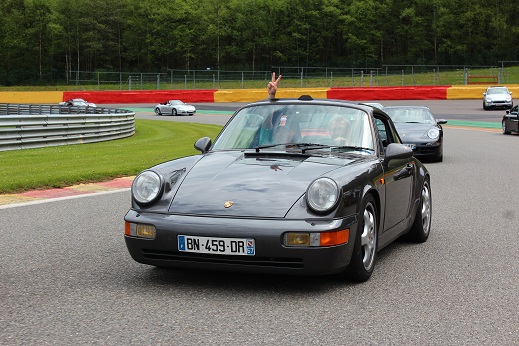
x,y
510,121
260,193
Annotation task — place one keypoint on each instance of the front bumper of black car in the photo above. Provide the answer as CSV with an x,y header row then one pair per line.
x,y
270,254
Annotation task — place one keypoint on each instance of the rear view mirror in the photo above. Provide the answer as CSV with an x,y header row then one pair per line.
x,y
203,144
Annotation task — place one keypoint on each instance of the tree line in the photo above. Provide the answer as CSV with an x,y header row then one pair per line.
x,y
43,40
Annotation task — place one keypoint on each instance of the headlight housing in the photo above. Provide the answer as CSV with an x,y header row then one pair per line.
x,y
433,133
147,187
322,194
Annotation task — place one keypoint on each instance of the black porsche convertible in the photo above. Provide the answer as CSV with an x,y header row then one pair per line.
x,y
290,186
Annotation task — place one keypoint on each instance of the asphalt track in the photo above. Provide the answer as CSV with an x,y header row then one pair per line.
x,y
67,279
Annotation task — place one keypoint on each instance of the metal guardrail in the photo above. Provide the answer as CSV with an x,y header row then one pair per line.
x,y
24,126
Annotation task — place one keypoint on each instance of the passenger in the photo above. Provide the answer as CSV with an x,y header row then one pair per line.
x,y
283,135
338,130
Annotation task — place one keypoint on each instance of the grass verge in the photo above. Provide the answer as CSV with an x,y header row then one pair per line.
x,y
154,142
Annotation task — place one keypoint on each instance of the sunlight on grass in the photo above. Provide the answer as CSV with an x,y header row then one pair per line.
x,y
154,142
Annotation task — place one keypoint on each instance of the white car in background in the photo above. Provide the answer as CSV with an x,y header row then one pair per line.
x,y
174,107
77,103
497,97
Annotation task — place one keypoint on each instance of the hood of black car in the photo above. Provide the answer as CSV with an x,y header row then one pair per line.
x,y
249,185
412,132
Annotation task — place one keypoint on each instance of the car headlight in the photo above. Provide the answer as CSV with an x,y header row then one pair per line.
x,y
147,187
433,133
488,99
508,98
322,194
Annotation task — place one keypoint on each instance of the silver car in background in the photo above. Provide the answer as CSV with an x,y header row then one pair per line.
x,y
174,107
497,97
77,103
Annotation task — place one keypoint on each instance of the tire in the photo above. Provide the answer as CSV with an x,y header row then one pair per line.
x,y
157,111
503,127
484,106
173,111
364,253
438,158
422,221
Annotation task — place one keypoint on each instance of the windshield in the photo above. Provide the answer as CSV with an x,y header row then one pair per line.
x,y
494,91
273,125
410,115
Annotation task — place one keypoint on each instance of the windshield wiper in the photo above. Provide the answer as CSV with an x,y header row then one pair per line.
x,y
304,146
352,148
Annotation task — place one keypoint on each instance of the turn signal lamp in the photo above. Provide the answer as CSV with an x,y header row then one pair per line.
x,y
140,230
323,239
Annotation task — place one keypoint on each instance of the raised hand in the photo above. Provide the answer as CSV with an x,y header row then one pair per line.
x,y
272,87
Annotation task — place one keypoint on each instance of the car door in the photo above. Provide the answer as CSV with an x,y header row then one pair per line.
x,y
398,178
512,120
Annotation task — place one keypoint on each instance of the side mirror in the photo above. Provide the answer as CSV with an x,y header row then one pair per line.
x,y
441,121
507,111
203,144
484,94
395,151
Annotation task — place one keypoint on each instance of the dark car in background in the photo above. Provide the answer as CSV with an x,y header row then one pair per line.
x,y
419,129
510,122
280,191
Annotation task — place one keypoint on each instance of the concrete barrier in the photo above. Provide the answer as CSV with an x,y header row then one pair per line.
x,y
141,96
389,93
34,97
455,92
467,92
251,95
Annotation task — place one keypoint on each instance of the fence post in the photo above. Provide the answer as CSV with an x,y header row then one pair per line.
x,y
301,79
158,81
370,78
402,77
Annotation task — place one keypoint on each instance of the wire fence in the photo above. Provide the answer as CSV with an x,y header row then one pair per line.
x,y
302,77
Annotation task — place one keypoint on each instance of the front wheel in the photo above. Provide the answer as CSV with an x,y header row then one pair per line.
x,y
173,111
365,248
422,221
157,111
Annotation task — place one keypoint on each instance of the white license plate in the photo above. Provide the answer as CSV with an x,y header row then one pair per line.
x,y
218,246
412,146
